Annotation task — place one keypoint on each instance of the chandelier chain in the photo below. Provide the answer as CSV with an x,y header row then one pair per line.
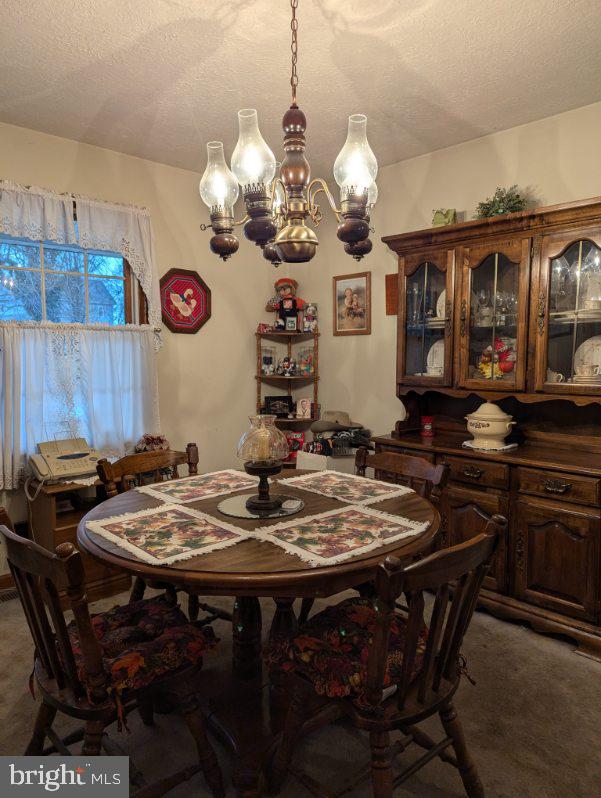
x,y
294,49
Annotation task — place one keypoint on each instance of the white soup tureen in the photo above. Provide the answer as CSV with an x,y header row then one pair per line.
x,y
490,426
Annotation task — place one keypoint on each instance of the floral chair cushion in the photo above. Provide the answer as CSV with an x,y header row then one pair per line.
x,y
142,641
332,649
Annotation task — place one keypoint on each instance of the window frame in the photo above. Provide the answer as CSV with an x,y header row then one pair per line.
x,y
134,300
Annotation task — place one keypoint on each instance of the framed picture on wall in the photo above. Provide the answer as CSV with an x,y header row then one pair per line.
x,y
352,304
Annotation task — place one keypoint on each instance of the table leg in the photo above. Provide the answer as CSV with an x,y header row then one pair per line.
x,y
246,637
283,627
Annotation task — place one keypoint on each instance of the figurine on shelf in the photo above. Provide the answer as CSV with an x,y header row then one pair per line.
x,y
305,362
286,305
264,328
310,318
287,367
498,360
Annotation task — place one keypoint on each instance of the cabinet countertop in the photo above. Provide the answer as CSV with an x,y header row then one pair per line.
x,y
527,454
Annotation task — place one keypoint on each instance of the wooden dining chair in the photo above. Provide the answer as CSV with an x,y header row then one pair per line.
x,y
148,468
387,671
416,473
97,668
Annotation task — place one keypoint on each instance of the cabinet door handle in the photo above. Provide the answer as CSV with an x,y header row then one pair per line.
x,y
473,472
557,486
463,317
542,309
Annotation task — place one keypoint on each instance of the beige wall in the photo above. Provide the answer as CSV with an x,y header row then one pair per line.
x,y
556,159
206,383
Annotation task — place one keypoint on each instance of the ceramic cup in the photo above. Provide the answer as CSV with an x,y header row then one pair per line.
x,y
554,376
587,370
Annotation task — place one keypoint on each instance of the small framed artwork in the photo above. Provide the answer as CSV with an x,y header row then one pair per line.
x,y
280,406
352,304
185,301
303,407
291,324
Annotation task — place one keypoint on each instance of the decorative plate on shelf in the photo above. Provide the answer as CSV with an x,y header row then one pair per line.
x,y
435,357
440,304
185,301
589,352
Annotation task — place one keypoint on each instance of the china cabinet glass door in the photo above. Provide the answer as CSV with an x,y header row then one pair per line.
x,y
425,324
568,346
493,316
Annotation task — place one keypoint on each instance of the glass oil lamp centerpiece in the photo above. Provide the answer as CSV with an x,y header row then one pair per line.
x,y
262,448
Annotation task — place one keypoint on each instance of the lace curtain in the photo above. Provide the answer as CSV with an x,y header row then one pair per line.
x,y
67,381
30,212
36,213
126,230
72,380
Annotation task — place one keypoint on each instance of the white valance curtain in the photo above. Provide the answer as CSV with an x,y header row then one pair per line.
x,y
71,380
128,231
36,213
42,215
68,381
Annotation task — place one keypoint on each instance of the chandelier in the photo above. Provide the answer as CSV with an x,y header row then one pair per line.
x,y
279,206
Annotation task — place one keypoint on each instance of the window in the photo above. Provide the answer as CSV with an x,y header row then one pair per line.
x,y
46,282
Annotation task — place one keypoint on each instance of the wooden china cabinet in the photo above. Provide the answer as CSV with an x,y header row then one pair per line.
x,y
508,310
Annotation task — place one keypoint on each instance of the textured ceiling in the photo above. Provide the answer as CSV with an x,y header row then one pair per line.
x,y
158,78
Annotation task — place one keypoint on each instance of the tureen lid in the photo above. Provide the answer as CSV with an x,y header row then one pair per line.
x,y
489,412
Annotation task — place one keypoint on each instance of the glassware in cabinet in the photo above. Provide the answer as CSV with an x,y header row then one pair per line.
x,y
425,322
493,313
568,329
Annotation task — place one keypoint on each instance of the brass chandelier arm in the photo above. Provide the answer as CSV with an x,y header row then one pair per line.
x,y
244,219
312,193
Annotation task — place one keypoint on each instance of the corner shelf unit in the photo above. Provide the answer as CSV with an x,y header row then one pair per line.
x,y
289,339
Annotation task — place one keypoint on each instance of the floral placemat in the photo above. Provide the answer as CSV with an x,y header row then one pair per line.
x,y
166,534
347,487
338,535
201,486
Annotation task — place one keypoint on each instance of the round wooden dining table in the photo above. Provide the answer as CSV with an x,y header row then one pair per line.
x,y
247,571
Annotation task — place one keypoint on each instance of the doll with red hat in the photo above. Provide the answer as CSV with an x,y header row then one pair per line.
x,y
286,305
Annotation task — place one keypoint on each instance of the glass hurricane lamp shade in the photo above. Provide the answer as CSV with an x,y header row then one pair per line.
x,y
219,191
262,448
356,167
355,171
263,442
253,163
218,186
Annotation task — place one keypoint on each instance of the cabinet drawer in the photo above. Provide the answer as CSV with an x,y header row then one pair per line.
x,y
477,472
556,485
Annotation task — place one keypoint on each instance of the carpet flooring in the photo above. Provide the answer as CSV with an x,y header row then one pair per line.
x,y
533,720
